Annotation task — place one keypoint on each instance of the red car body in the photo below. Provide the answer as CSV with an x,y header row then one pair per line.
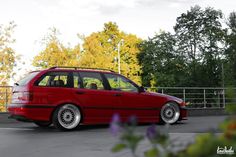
x,y
33,102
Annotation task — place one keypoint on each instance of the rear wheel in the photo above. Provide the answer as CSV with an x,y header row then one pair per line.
x,y
170,113
42,124
66,117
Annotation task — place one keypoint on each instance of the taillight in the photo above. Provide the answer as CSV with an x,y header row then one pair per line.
x,y
25,96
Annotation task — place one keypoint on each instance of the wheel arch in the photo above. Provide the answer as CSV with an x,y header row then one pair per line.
x,y
170,101
68,102
179,105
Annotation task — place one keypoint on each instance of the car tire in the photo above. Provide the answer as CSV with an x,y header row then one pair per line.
x,y
66,117
170,113
43,124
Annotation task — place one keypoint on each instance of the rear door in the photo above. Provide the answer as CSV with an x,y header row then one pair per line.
x,y
53,88
90,89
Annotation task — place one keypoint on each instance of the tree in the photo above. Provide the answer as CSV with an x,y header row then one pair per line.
x,y
55,53
100,50
190,57
189,34
161,64
8,56
200,36
8,59
212,47
230,51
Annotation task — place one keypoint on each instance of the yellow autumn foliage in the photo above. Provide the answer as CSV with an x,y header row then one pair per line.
x,y
99,50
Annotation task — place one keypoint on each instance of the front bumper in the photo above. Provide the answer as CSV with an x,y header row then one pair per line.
x,y
183,113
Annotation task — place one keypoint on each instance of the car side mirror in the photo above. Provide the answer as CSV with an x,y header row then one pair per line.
x,y
141,89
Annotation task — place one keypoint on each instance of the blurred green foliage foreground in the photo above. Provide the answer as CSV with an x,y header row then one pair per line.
x,y
206,145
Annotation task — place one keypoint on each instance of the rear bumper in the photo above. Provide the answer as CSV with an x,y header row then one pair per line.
x,y
25,112
19,118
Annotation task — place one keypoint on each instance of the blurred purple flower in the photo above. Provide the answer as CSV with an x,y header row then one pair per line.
x,y
132,120
115,127
115,118
151,132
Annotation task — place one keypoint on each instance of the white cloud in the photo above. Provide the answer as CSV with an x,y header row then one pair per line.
x,y
88,7
174,5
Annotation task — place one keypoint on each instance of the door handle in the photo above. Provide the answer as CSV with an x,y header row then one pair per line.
x,y
117,94
79,92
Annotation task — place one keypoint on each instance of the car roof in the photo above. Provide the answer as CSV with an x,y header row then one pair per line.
x,y
80,68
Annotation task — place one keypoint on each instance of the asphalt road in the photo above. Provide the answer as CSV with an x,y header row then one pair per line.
x,y
19,139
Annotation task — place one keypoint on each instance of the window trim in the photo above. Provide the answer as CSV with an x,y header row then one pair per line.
x,y
107,85
76,73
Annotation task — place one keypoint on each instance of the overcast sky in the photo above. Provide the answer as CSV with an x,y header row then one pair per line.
x,y
140,17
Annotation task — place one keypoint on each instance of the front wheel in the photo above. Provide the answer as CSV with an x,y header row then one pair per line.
x,y
170,113
66,117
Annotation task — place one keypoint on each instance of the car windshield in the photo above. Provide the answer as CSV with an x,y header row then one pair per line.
x,y
27,78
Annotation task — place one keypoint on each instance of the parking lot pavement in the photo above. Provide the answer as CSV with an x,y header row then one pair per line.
x,y
19,139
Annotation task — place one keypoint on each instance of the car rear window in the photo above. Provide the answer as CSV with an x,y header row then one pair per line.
x,y
27,79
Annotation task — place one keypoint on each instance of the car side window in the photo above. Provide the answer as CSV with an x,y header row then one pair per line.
x,y
91,80
44,81
54,79
119,83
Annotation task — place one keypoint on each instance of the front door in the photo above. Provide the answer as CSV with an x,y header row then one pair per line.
x,y
132,102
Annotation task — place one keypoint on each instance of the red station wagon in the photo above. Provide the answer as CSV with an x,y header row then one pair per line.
x,y
69,96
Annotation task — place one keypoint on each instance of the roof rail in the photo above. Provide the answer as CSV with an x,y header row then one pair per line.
x,y
76,68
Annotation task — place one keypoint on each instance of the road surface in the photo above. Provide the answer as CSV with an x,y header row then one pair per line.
x,y
19,139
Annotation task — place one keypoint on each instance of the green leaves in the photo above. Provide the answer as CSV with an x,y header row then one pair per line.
x,y
132,140
161,64
129,139
151,153
200,36
230,62
192,56
118,147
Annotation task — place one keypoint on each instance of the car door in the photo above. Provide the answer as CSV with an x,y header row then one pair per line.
x,y
91,92
132,102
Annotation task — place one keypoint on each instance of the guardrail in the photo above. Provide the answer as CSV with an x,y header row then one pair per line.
x,y
196,97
